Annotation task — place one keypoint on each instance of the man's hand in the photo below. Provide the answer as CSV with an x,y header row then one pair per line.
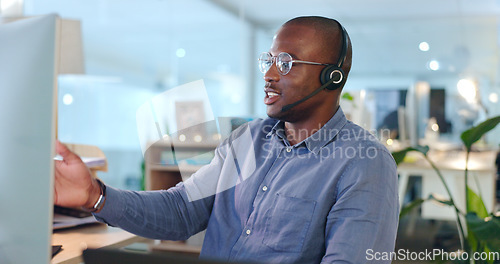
x,y
74,185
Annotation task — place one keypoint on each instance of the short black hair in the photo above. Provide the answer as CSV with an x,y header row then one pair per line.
x,y
331,30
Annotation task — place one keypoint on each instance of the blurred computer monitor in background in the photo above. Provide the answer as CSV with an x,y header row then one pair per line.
x,y
28,92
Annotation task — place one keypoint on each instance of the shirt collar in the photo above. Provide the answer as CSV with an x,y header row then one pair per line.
x,y
321,138
278,129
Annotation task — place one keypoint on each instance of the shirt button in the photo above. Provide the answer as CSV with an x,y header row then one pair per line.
x,y
248,232
288,149
264,188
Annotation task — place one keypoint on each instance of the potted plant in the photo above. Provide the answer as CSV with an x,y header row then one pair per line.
x,y
480,233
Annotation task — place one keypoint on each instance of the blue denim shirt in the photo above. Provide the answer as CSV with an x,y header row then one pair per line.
x,y
329,199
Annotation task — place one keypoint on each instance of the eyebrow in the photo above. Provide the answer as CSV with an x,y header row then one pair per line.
x,y
294,56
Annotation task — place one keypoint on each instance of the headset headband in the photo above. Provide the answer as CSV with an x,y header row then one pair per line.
x,y
343,51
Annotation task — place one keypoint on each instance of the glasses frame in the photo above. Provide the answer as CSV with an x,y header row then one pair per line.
x,y
292,61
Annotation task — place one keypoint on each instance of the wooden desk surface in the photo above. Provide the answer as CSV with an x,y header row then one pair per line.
x,y
75,240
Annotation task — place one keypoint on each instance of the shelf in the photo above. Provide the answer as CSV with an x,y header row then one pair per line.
x,y
162,173
175,168
180,144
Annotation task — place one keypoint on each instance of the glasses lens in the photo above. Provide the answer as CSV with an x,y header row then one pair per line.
x,y
284,63
265,62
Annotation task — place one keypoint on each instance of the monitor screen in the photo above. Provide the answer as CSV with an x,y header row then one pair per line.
x,y
27,122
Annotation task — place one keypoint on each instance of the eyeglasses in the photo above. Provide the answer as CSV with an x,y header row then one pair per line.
x,y
284,62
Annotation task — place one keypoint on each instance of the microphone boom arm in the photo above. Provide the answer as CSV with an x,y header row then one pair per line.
x,y
289,106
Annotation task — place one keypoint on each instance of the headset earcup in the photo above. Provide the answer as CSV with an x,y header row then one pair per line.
x,y
332,72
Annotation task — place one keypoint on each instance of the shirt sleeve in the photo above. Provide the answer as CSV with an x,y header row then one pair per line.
x,y
364,218
165,214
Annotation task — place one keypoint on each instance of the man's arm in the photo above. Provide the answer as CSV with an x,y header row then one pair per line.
x,y
165,214
364,219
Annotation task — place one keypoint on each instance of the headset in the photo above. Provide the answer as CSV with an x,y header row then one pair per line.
x,y
335,71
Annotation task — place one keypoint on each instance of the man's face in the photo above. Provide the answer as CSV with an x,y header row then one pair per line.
x,y
303,43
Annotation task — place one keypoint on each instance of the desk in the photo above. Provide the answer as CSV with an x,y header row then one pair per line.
x,y
75,240
482,179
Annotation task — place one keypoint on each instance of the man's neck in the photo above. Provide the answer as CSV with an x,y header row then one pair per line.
x,y
298,131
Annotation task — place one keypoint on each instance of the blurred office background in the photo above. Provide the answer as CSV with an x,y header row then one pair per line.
x,y
425,69
135,50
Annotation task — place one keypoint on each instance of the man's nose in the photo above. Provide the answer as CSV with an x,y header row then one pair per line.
x,y
272,74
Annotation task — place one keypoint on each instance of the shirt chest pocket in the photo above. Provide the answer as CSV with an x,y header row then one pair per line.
x,y
287,223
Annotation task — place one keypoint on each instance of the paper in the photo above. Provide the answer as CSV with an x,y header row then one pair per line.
x,y
91,162
64,221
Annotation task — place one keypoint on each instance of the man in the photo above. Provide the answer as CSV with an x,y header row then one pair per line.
x,y
303,186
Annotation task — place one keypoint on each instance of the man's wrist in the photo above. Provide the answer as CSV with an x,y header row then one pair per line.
x,y
96,204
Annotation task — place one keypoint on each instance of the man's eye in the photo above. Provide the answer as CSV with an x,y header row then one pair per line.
x,y
285,66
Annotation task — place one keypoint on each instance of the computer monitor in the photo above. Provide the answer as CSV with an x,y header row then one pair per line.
x,y
109,255
27,123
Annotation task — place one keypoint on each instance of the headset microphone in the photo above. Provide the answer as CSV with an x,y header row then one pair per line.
x,y
289,106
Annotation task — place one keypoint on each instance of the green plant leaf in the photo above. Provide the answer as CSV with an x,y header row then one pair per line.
x,y
493,246
441,200
473,134
347,96
491,260
400,155
487,229
476,204
422,149
409,206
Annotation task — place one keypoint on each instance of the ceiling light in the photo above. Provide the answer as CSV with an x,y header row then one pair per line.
x,y
434,65
67,99
493,97
424,46
180,53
